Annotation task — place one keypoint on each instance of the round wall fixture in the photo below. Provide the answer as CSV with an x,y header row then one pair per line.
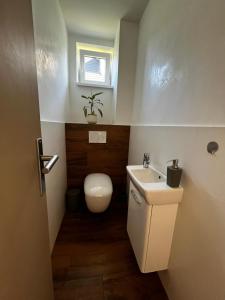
x,y
212,147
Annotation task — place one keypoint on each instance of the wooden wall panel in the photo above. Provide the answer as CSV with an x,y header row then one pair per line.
x,y
84,158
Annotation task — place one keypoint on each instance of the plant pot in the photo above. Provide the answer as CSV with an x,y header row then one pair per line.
x,y
91,119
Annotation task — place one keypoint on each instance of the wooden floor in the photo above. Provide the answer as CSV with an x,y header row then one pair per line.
x,y
93,260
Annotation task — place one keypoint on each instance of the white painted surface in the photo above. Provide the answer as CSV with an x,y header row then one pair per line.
x,y
51,59
180,74
119,100
197,263
99,18
97,137
180,80
115,69
52,68
125,78
53,135
75,114
186,93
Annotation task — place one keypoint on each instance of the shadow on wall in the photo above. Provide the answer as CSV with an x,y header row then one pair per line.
x,y
198,239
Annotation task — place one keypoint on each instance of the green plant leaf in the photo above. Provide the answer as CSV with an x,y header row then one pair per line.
x,y
82,96
100,112
97,94
85,111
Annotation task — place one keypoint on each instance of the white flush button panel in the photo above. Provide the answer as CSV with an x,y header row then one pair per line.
x,y
97,137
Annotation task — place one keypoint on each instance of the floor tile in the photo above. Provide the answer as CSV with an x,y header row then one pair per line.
x,y
93,260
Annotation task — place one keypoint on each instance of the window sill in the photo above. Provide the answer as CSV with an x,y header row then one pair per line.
x,y
95,85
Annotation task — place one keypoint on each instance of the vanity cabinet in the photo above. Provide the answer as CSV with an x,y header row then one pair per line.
x,y
150,229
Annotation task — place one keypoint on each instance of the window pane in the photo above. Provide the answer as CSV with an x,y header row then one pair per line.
x,y
94,68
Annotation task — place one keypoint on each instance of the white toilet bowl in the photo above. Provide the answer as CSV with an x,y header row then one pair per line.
x,y
98,192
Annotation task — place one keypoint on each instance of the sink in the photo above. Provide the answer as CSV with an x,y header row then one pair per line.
x,y
146,175
151,183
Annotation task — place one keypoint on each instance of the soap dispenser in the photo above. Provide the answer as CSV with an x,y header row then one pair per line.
x,y
174,174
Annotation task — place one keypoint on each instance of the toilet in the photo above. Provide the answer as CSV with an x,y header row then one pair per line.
x,y
98,190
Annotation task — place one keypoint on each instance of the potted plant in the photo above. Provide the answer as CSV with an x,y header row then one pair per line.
x,y
94,106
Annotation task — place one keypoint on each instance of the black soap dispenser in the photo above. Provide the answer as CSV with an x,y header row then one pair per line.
x,y
174,174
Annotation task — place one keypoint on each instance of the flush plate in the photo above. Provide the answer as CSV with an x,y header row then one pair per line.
x,y
97,137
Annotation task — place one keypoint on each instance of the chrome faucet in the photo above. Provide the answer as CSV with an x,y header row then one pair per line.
x,y
146,160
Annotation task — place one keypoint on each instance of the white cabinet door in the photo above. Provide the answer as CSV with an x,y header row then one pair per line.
x,y
138,223
163,219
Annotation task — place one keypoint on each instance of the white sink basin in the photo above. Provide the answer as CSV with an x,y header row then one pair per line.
x,y
152,185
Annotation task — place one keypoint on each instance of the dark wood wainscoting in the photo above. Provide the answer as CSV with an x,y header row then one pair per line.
x,y
84,158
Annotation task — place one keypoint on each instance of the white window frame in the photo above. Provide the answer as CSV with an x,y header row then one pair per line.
x,y
81,73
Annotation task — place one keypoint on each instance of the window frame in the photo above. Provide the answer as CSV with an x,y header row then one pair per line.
x,y
80,68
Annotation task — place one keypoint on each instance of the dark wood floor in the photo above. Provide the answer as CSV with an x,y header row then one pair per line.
x,y
93,260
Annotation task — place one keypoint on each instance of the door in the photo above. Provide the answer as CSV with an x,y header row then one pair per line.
x,y
25,269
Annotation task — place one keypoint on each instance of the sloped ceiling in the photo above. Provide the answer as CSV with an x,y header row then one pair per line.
x,y
99,18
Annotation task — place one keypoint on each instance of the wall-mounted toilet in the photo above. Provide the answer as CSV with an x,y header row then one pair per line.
x,y
98,190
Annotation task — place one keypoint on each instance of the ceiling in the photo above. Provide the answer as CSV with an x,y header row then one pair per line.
x,y
99,18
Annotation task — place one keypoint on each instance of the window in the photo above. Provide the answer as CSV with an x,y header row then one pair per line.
x,y
94,65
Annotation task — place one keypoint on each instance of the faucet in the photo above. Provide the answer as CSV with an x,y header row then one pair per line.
x,y
146,160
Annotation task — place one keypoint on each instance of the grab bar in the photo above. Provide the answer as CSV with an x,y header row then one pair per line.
x,y
51,159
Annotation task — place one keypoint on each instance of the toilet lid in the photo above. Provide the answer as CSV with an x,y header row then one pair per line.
x,y
98,184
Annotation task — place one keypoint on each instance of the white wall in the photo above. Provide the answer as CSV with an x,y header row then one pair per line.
x,y
115,70
119,100
197,263
52,67
180,81
180,75
75,114
51,59
126,55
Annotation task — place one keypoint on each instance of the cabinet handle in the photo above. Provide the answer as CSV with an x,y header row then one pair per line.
x,y
136,198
